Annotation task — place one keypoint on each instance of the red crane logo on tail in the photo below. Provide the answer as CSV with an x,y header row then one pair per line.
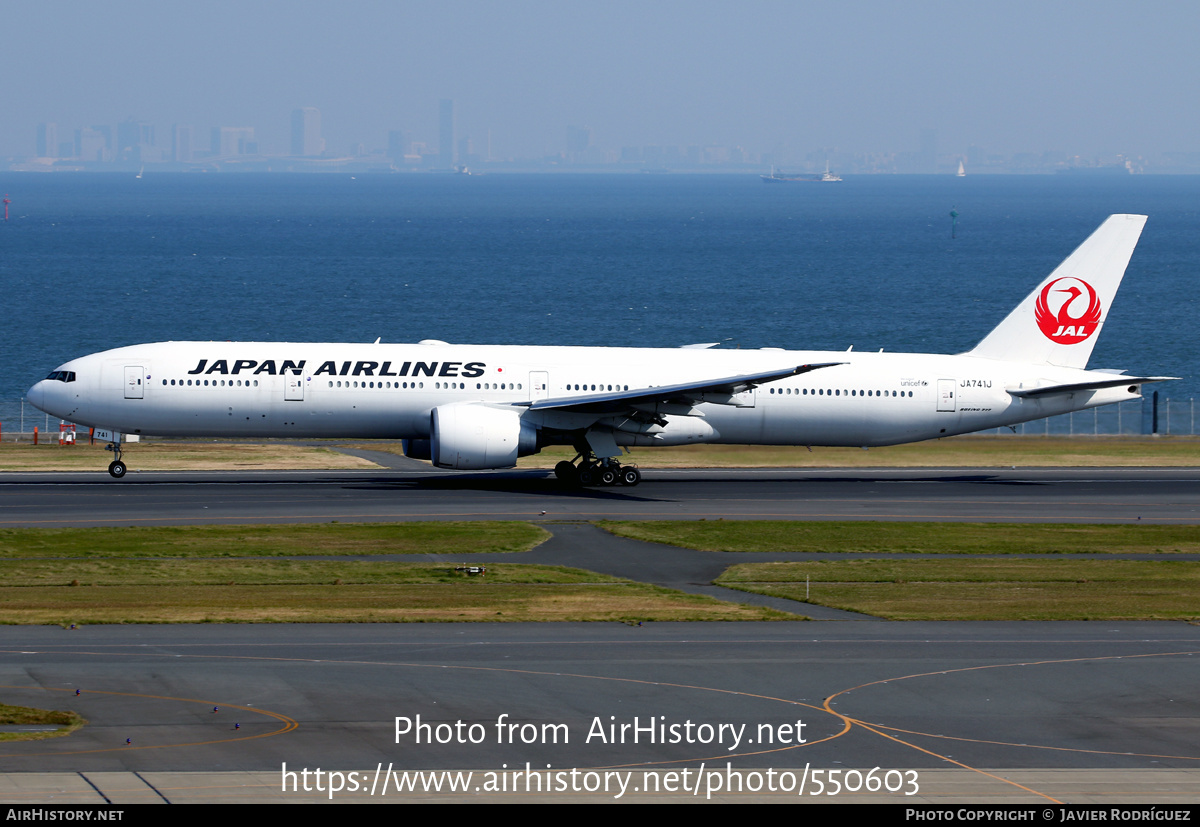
x,y
1059,325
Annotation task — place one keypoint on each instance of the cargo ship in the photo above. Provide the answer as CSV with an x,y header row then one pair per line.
x,y
784,178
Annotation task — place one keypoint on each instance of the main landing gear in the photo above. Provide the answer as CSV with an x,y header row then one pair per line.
x,y
592,471
116,467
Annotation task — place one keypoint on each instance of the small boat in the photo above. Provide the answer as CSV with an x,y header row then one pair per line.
x,y
829,176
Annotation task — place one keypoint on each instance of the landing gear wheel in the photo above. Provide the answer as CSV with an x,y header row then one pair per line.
x,y
630,476
608,476
117,468
564,471
587,476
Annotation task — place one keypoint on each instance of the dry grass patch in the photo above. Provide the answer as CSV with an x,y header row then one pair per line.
x,y
153,455
366,604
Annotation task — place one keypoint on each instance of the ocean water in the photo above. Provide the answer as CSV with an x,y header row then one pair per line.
x,y
90,262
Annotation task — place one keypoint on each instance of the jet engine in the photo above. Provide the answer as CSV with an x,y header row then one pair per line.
x,y
471,436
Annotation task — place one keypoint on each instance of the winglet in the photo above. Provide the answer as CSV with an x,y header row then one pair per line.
x,y
1059,322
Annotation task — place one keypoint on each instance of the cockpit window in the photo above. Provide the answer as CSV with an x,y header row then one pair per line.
x,y
62,376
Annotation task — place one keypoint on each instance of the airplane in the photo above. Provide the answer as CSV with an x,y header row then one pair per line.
x,y
469,407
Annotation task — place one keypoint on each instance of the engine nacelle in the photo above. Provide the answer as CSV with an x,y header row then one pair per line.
x,y
469,436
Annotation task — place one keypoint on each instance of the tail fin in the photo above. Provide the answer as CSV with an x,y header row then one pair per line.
x,y
1059,322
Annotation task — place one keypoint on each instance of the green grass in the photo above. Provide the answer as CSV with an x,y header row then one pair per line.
x,y
66,721
924,538
272,540
276,591
197,574
238,574
625,603
1043,589
129,573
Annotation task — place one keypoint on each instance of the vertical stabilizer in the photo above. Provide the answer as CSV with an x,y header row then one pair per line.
x,y
1059,322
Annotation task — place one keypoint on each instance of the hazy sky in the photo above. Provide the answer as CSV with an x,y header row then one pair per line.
x,y
1093,77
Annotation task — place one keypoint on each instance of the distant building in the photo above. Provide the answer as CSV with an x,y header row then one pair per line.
x,y
106,131
446,133
135,140
579,138
47,140
233,140
92,145
306,132
181,144
466,151
396,147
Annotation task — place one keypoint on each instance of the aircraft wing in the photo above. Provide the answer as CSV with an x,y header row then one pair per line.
x,y
1116,382
688,393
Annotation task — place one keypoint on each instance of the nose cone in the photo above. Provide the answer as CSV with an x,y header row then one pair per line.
x,y
37,395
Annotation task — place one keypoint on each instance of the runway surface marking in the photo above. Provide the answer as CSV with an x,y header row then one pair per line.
x,y
937,755
1010,743
293,724
848,722
878,728
288,723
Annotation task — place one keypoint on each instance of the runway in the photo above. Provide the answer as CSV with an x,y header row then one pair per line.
x,y
980,712
1164,495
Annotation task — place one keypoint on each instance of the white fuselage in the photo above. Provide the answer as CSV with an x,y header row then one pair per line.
x,y
256,389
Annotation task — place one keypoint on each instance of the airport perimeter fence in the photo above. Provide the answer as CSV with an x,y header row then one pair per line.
x,y
1137,417
1151,414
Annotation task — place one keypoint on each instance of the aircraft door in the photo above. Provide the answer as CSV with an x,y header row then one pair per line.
x,y
134,382
946,401
539,385
293,388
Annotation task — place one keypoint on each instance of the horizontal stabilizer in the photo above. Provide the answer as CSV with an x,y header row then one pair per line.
x,y
1075,387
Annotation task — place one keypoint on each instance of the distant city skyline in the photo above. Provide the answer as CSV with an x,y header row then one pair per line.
x,y
236,148
759,79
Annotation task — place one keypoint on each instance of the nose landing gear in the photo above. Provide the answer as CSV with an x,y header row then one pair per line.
x,y
116,467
